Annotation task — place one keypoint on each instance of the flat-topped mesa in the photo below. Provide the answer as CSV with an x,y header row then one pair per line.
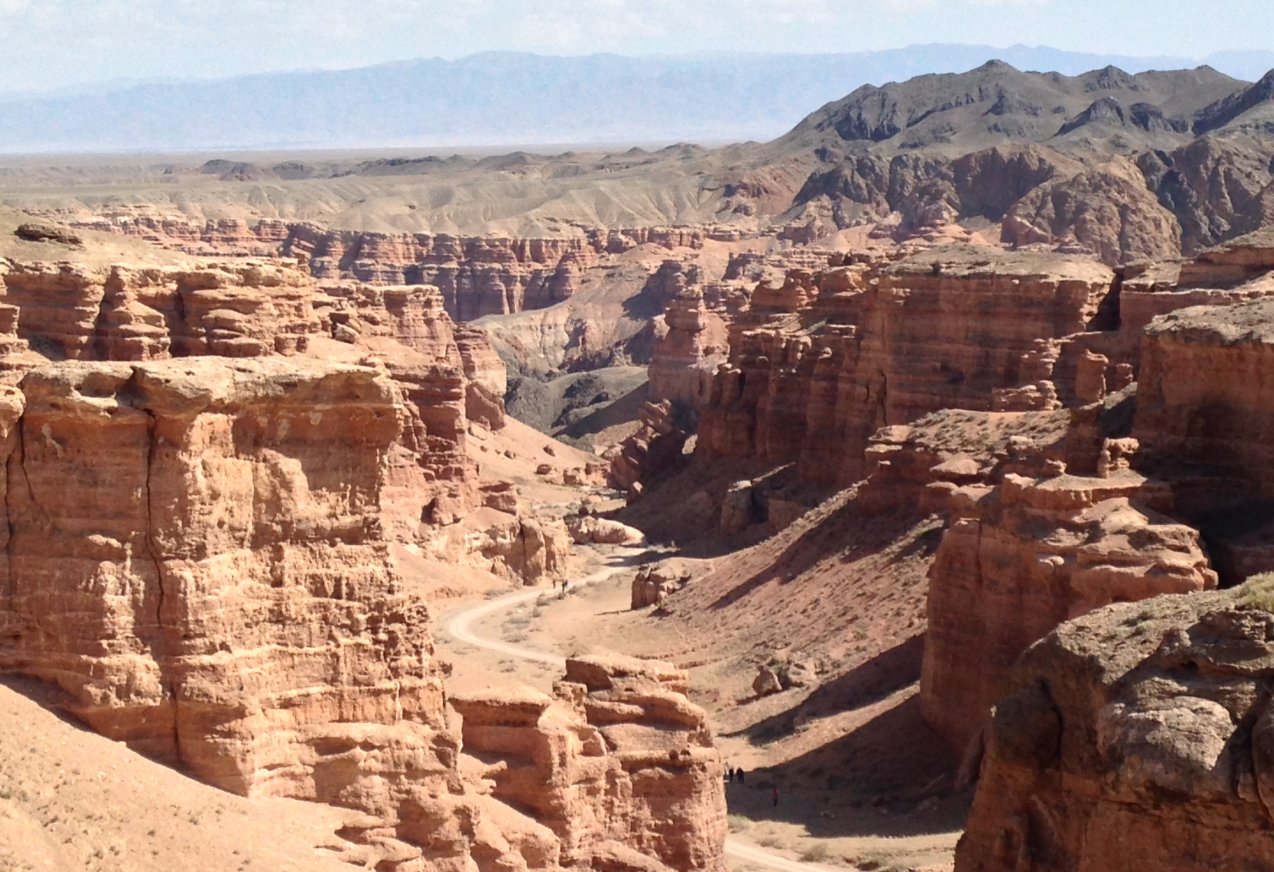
x,y
1240,270
1203,398
950,325
1081,368
617,757
1138,737
1023,556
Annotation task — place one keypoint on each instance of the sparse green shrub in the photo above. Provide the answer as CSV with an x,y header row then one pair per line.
x,y
738,823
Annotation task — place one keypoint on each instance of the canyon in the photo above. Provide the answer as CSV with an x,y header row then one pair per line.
x,y
922,471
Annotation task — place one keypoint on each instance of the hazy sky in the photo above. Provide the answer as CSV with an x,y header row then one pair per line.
x,y
52,43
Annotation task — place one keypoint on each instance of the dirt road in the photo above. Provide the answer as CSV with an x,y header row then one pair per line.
x,y
459,626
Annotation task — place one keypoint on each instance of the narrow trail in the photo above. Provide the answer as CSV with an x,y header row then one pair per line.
x,y
459,627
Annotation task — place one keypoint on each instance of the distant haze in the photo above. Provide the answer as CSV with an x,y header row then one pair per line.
x,y
501,98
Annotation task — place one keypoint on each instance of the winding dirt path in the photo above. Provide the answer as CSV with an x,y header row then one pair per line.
x,y
459,627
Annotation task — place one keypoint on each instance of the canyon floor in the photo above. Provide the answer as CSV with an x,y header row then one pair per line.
x,y
847,797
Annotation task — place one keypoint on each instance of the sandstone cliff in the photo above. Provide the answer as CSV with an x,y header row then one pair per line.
x,y
476,275
1020,558
822,362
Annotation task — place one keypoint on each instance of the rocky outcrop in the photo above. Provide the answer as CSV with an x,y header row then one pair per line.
x,y
449,376
656,446
812,376
653,583
1190,467
476,275
1106,210
1021,557
1137,737
616,757
602,531
194,557
136,488
683,361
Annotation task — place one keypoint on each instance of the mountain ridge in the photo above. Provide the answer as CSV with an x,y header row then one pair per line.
x,y
491,99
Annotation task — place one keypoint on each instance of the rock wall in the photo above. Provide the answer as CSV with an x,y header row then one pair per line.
x,y
250,309
1203,399
71,312
813,375
1021,557
194,556
477,275
1138,737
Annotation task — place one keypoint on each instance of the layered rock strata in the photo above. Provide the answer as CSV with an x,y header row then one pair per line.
x,y
477,275
449,376
195,555
1138,737
824,361
630,762
820,361
69,312
1022,557
1203,400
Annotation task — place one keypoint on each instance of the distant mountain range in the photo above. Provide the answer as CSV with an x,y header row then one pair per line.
x,y
509,99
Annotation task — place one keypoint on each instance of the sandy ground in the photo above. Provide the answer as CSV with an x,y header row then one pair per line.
x,y
73,800
858,786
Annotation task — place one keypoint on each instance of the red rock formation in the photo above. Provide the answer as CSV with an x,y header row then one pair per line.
x,y
657,444
477,275
1203,399
1020,558
250,309
194,553
182,471
811,379
1138,737
241,310
683,361
212,586
618,755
